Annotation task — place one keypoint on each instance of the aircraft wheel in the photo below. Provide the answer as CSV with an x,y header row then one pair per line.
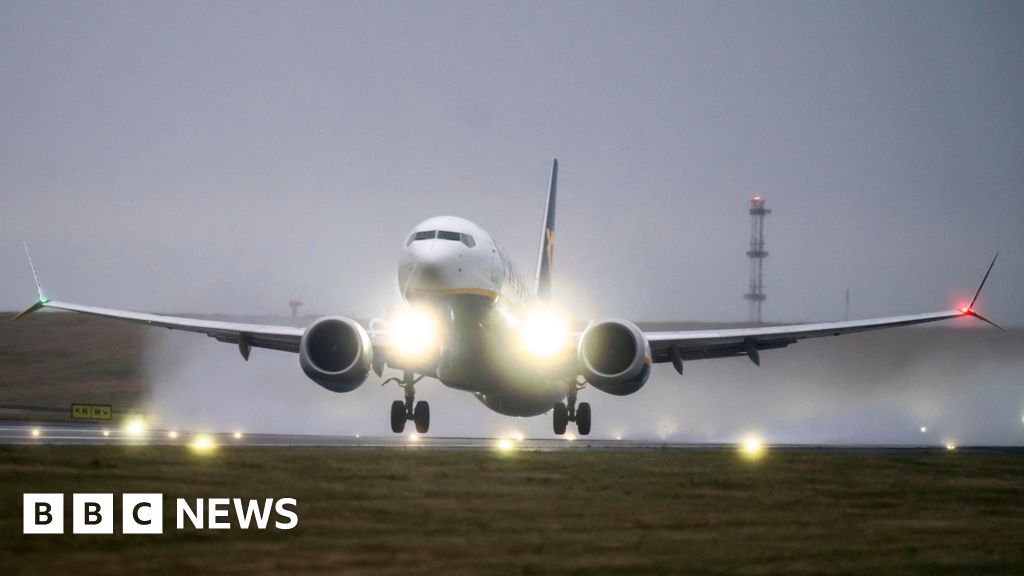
x,y
397,416
421,415
560,417
583,418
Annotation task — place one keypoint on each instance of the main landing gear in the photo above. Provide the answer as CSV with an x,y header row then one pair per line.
x,y
409,409
564,413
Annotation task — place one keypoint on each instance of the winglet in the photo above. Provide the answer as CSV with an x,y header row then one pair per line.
x,y
547,240
39,289
982,285
35,276
969,310
29,310
983,319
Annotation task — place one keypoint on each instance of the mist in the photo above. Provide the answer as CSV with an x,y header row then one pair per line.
x,y
963,384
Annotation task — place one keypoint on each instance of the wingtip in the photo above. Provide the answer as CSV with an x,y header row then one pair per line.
x,y
983,280
39,304
35,276
986,320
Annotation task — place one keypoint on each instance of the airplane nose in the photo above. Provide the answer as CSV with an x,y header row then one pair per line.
x,y
428,266
428,273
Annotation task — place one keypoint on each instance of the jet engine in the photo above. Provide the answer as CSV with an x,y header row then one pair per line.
x,y
616,357
335,352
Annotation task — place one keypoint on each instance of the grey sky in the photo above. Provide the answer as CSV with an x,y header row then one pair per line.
x,y
230,156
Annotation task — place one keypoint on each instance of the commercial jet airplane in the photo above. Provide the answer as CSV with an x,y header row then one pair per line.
x,y
471,321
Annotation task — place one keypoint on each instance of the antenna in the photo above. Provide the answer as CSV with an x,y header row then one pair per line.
x,y
847,304
757,254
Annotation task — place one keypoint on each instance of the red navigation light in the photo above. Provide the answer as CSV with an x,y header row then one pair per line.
x,y
965,310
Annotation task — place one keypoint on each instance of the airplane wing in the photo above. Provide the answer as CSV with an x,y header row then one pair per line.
x,y
246,336
676,347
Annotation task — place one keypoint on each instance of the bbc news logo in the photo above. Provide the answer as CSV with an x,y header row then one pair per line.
x,y
144,513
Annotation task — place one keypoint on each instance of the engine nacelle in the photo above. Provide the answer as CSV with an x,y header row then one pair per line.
x,y
335,352
616,357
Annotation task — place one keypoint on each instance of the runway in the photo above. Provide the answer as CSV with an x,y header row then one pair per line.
x,y
27,433
89,434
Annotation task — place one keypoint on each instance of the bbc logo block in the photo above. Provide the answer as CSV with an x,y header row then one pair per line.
x,y
142,513
93,514
43,514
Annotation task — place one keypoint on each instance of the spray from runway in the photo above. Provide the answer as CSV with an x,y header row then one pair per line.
x,y
963,385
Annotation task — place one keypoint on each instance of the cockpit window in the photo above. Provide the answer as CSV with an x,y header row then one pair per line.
x,y
424,235
441,235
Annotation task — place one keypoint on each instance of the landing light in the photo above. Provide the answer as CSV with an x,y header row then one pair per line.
x,y
752,447
203,444
924,429
505,445
36,432
173,435
135,428
413,331
543,333
106,432
950,446
237,435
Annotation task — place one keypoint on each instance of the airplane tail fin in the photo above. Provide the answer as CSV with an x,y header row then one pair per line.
x,y
547,240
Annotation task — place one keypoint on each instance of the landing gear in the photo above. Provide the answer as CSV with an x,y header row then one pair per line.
x,y
564,413
398,417
561,418
421,416
583,418
409,409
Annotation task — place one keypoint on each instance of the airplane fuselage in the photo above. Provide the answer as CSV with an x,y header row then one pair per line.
x,y
455,268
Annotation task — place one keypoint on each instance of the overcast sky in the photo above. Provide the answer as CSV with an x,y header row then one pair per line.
x,y
205,157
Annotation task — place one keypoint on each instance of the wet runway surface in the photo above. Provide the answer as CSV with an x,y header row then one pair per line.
x,y
62,433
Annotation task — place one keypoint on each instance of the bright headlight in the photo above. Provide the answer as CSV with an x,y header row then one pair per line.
x,y
413,331
543,333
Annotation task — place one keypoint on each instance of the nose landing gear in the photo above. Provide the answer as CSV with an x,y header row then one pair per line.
x,y
565,412
409,409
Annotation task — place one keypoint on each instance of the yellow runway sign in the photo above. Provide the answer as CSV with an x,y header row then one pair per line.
x,y
91,411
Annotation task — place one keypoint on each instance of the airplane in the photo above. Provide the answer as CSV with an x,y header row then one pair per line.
x,y
471,321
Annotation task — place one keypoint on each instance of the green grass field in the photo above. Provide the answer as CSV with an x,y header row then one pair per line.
x,y
405,511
